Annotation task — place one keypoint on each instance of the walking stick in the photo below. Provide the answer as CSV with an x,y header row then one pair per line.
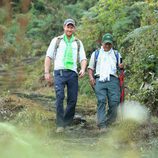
x,y
121,78
122,88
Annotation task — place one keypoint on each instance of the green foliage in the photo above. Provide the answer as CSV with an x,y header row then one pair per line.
x,y
140,48
35,26
132,23
3,15
40,6
99,20
117,17
84,86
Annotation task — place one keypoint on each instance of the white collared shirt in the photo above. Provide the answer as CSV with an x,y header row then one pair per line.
x,y
110,54
59,58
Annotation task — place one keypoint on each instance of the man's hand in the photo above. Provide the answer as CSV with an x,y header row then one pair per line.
x,y
47,77
121,66
92,81
81,73
83,67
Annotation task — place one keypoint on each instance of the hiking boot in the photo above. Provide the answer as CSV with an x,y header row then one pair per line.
x,y
60,130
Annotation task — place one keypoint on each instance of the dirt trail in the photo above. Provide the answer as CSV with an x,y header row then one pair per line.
x,y
36,107
84,124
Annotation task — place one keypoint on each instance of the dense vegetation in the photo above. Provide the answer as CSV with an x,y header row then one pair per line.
x,y
26,28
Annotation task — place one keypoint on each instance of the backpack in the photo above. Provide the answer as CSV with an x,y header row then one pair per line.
x,y
97,54
59,38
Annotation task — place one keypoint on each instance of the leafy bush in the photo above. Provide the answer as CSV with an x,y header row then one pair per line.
x,y
141,50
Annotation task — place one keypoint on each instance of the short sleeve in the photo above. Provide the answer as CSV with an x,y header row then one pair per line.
x,y
92,62
82,54
50,50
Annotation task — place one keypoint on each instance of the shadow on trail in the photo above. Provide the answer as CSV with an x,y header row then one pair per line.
x,y
48,102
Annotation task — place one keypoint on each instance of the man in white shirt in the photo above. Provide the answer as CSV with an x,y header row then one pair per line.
x,y
103,78
65,55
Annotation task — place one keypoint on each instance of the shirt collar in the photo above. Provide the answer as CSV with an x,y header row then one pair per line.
x,y
109,52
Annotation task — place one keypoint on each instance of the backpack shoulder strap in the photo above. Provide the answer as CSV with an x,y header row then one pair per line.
x,y
96,54
117,57
78,44
59,38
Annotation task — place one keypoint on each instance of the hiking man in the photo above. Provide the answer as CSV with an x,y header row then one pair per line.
x,y
104,80
65,50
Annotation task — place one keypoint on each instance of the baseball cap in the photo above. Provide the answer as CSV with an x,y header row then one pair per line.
x,y
107,38
69,21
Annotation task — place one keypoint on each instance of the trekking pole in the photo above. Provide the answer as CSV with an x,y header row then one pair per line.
x,y
122,89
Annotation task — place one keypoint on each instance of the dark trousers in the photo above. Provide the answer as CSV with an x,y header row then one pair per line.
x,y
108,91
64,78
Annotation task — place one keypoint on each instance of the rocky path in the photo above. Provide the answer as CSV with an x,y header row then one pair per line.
x,y
36,108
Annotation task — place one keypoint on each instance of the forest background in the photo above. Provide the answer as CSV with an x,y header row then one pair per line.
x,y
27,100
27,27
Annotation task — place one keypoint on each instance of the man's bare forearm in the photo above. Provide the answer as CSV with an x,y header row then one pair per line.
x,y
83,64
91,77
91,73
47,64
